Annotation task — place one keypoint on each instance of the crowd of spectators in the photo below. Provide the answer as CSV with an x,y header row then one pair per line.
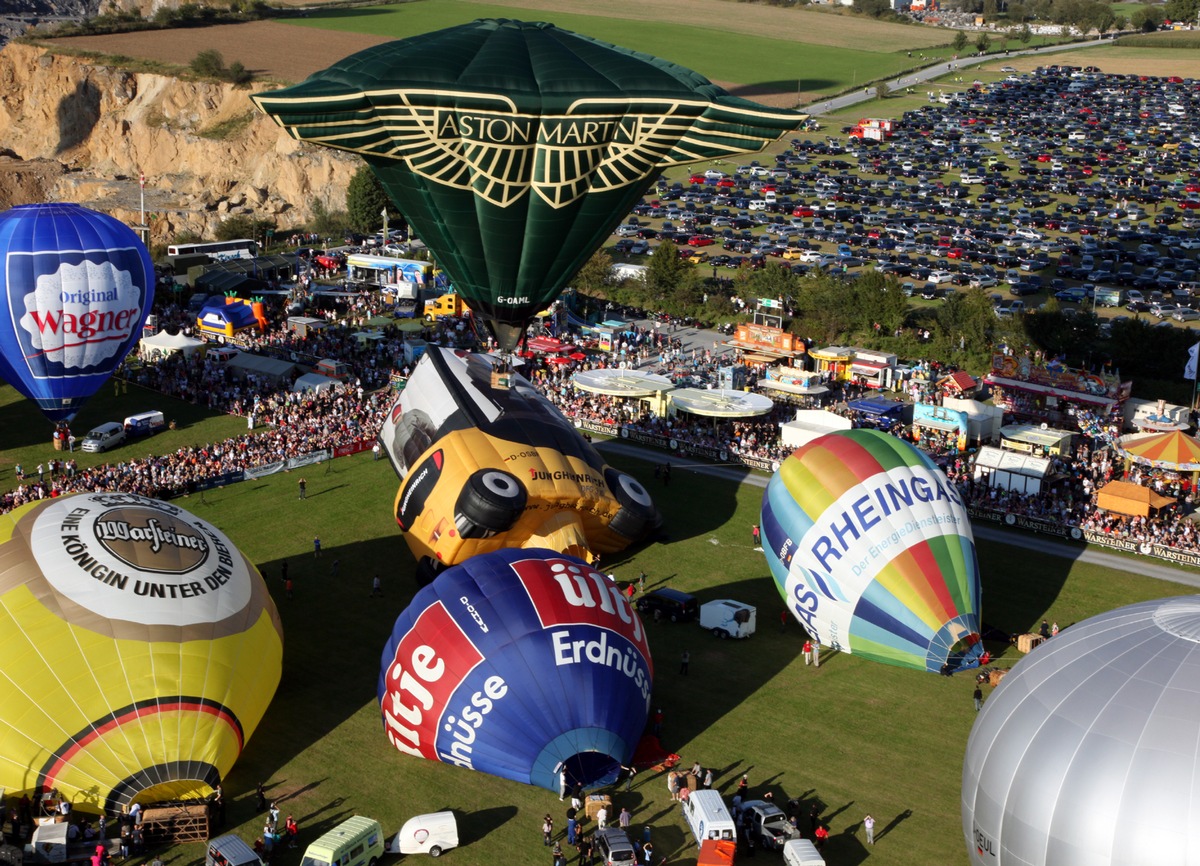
x,y
283,424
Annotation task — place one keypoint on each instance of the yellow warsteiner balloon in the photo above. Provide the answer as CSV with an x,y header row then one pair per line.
x,y
140,650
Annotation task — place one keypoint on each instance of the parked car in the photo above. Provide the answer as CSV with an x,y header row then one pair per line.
x,y
768,823
670,604
615,847
727,618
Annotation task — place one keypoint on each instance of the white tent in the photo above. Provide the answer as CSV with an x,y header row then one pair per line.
x,y
314,382
1011,470
809,424
166,344
983,419
262,365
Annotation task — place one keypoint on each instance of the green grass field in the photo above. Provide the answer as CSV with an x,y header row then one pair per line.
x,y
859,736
718,53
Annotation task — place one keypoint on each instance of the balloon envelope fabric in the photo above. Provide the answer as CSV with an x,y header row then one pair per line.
x,y
515,148
871,547
142,649
77,285
520,663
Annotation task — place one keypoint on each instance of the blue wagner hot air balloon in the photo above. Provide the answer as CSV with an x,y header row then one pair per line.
x,y
525,664
78,285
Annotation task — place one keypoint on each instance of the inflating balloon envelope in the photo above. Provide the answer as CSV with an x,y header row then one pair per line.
x,y
77,285
524,664
486,462
871,548
515,148
141,650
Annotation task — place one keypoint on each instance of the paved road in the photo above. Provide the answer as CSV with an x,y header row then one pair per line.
x,y
1143,566
920,77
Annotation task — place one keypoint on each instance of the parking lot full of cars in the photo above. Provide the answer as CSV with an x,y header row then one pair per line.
x,y
1065,182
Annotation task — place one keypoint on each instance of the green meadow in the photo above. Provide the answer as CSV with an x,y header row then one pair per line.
x,y
856,736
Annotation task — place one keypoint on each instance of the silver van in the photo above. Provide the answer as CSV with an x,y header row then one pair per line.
x,y
230,851
106,436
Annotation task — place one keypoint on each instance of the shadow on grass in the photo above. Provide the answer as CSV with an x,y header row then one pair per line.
x,y
788,85
334,634
691,504
475,826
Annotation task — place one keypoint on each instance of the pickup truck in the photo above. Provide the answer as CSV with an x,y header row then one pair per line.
x,y
768,822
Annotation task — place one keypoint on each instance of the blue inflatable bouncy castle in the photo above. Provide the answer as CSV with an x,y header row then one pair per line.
x,y
525,664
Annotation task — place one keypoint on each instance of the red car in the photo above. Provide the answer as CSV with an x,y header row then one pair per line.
x,y
698,178
699,241
955,253
803,211
726,183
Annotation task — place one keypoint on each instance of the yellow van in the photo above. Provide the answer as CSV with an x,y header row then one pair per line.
x,y
356,841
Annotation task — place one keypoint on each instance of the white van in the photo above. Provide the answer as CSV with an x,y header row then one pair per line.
x,y
357,841
802,852
706,814
106,436
426,834
145,424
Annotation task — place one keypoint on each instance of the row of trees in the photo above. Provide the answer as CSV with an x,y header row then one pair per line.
x,y
872,311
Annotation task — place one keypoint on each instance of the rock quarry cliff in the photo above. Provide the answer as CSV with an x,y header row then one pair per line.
x,y
77,130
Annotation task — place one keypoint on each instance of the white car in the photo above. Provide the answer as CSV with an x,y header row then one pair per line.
x,y
1185,314
983,282
938,277
713,174
1190,243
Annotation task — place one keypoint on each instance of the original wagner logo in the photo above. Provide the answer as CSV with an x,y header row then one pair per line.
x,y
151,540
76,316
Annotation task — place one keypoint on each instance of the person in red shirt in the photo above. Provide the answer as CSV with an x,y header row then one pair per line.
x,y
822,834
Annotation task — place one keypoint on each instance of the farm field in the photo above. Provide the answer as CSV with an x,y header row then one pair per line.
x,y
809,53
856,736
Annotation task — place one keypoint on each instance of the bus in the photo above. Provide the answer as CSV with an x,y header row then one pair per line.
x,y
218,251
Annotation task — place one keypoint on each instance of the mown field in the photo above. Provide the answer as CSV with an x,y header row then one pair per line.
x,y
856,736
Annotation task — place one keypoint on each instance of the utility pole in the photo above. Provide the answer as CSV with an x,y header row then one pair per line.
x,y
142,227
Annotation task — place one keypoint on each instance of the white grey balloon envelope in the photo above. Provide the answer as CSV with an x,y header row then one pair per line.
x,y
1088,752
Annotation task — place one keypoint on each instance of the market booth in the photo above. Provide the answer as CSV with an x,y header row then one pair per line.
x,y
627,384
983,419
1039,441
1135,500
939,423
1036,391
792,380
836,361
1154,416
718,403
1011,470
874,369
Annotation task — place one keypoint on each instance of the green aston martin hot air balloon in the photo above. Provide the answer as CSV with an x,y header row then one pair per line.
x,y
515,148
